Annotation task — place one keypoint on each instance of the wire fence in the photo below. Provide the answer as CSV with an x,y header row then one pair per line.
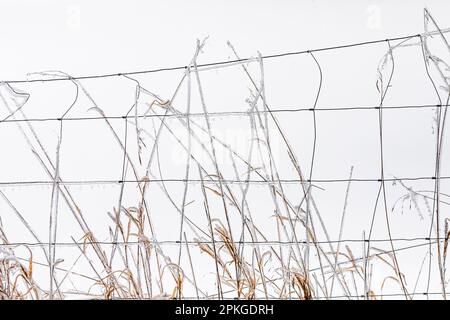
x,y
224,239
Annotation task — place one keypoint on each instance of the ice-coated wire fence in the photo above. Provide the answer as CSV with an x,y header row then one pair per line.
x,y
191,213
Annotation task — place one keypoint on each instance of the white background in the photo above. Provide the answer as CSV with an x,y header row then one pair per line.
x,y
89,38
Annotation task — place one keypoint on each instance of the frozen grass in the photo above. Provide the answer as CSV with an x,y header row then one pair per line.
x,y
133,264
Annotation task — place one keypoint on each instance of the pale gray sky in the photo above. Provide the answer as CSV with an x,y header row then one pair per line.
x,y
88,38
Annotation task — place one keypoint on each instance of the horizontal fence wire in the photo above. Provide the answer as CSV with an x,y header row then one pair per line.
x,y
227,62
225,113
354,260
381,295
214,181
210,297
200,242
